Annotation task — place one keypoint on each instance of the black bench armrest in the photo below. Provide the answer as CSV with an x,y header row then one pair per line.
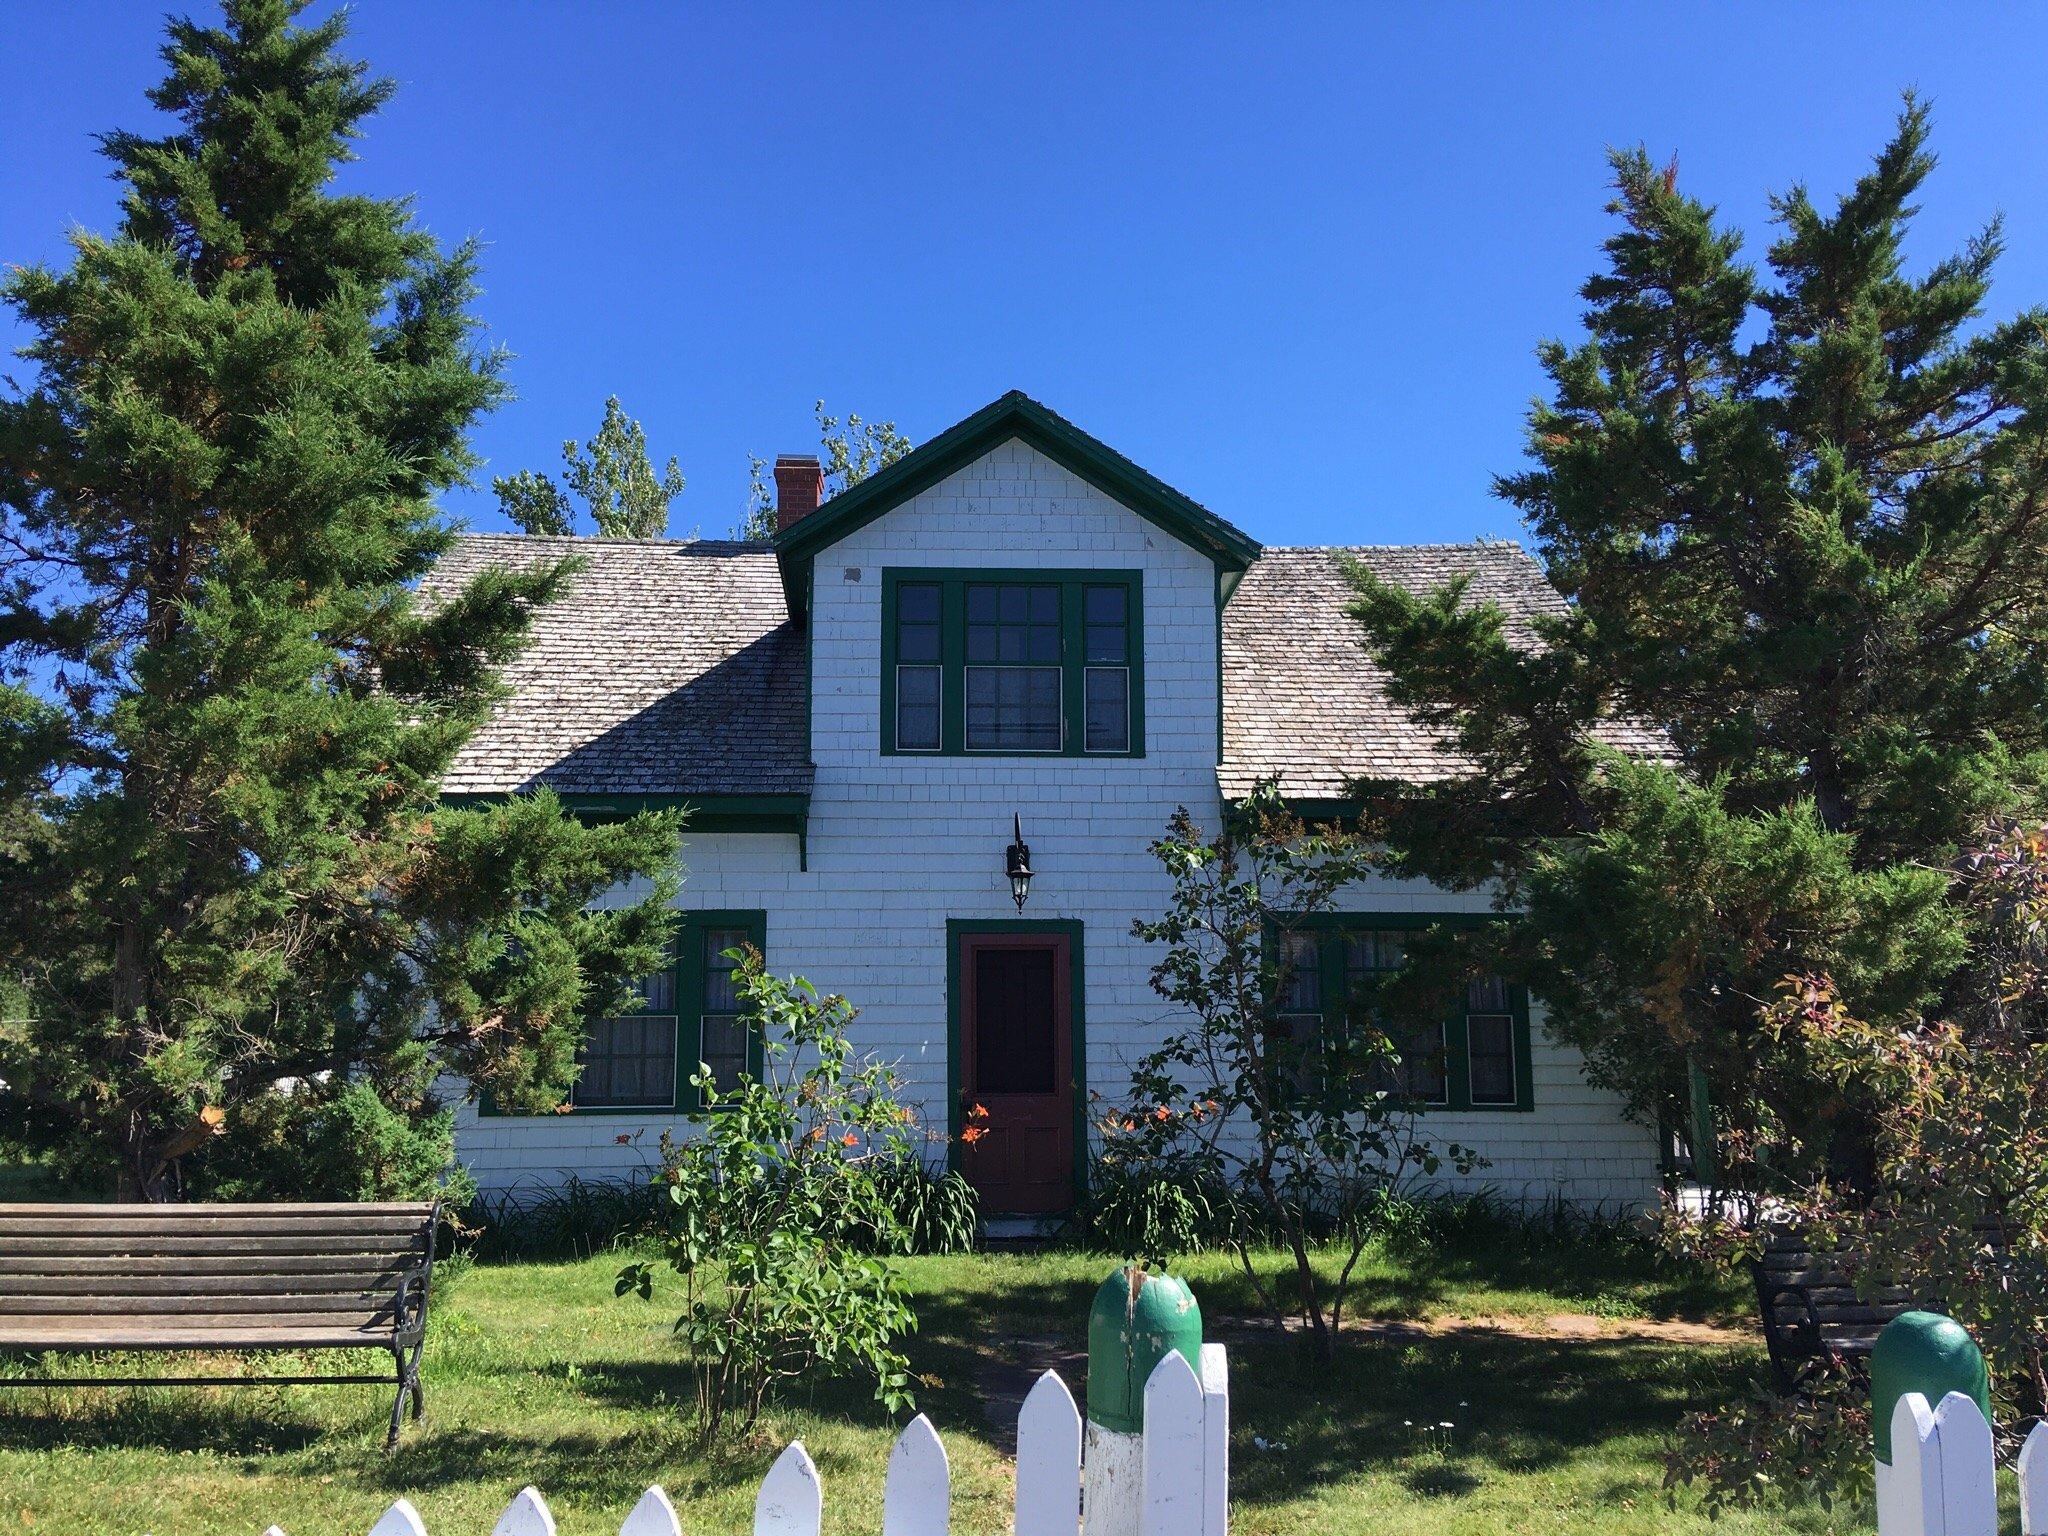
x,y
1795,1345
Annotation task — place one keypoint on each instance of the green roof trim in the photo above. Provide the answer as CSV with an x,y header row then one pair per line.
x,y
706,813
1014,415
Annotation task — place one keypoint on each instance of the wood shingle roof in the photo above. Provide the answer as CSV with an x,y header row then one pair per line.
x,y
673,668
1302,701
670,667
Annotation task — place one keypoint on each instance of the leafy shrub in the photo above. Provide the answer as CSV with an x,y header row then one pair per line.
x,y
1950,1116
1314,1136
762,1202
1812,1446
576,1218
930,1211
1158,1211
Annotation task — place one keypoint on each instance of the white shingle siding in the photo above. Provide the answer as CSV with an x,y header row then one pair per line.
x,y
898,845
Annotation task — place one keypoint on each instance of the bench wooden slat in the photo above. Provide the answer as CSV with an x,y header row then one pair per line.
x,y
88,1334
143,1287
225,1318
222,1247
353,1301
417,1210
151,1227
176,1266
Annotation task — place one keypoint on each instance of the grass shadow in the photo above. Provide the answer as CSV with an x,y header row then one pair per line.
x,y
1512,1406
186,1421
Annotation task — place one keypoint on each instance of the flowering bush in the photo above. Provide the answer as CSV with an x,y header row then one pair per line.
x,y
780,1208
1952,1112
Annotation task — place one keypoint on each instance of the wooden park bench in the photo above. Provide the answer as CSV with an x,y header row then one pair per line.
x,y
1812,1311
218,1279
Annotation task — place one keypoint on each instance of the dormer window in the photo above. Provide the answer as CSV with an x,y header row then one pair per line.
x,y
918,687
1012,663
1013,668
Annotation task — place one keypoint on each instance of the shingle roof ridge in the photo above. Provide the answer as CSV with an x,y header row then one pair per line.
x,y
1483,541
712,546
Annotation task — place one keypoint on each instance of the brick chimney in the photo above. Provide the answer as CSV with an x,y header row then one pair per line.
x,y
799,487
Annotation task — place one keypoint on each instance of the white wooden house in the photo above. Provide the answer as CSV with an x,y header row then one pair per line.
x,y
1014,625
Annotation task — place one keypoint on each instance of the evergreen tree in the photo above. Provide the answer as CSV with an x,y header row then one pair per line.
x,y
242,938
1801,520
851,450
613,475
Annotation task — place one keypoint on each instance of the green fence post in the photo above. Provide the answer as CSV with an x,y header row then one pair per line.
x,y
1137,1320
1927,1353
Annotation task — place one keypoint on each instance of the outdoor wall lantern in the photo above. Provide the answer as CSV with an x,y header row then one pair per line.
x,y
1017,860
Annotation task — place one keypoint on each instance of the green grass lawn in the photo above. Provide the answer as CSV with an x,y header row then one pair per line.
x,y
537,1374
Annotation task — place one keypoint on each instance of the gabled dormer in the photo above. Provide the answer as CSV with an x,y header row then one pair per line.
x,y
1015,416
1013,589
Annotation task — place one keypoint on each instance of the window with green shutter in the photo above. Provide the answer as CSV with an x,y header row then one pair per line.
x,y
628,1060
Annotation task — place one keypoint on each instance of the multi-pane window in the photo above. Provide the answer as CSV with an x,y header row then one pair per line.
x,y
1013,662
1490,1041
1013,668
919,679
1475,1058
1418,1069
644,1058
629,1060
1301,1008
1106,668
724,1036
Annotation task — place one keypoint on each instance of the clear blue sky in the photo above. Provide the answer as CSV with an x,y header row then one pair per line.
x,y
1292,259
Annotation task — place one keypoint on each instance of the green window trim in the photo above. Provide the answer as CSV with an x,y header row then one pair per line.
x,y
1330,930
952,665
689,965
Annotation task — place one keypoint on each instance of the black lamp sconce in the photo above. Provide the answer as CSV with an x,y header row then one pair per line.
x,y
1017,862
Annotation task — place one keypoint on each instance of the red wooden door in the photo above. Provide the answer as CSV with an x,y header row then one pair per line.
x,y
1016,1063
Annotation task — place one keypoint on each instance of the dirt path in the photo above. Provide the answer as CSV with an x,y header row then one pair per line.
x,y
1003,1380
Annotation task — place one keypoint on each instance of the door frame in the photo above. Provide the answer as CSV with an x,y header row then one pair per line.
x,y
1068,928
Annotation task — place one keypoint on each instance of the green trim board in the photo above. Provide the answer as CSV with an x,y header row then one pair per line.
x,y
688,957
1223,595
1015,415
707,813
1073,931
952,582
702,813
1457,1027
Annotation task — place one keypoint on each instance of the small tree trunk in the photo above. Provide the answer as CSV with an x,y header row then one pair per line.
x,y
1311,1302
143,1169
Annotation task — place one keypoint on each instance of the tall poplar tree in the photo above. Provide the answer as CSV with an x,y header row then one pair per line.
x,y
1801,521
241,939
612,473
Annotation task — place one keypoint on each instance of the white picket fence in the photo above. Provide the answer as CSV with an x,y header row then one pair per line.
x,y
1186,1472
1942,1480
